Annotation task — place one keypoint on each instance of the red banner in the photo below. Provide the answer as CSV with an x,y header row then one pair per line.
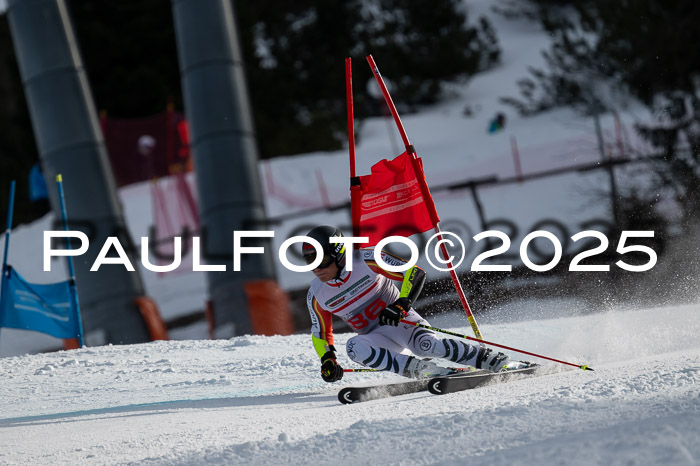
x,y
392,203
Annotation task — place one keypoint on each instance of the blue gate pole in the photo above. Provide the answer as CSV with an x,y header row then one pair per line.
x,y
71,270
10,212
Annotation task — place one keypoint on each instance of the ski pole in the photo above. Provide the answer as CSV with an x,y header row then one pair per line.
x,y
360,370
466,337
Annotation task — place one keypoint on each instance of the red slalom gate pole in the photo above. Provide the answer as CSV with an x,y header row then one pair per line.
x,y
426,194
389,102
355,187
466,337
351,117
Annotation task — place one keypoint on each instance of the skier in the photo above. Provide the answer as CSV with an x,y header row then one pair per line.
x,y
367,299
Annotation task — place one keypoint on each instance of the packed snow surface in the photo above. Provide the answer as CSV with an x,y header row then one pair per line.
x,y
260,400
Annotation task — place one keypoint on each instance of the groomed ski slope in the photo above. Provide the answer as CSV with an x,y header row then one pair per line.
x,y
259,400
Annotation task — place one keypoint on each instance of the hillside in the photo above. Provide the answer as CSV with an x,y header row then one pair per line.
x,y
456,148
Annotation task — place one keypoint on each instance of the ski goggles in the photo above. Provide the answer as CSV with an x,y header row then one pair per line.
x,y
326,262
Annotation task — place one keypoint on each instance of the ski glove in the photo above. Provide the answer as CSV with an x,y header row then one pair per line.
x,y
393,313
331,371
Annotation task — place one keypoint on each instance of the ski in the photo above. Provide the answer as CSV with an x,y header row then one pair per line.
x,y
435,385
458,383
349,395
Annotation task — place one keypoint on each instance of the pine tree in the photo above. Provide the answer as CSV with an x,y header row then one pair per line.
x,y
295,54
644,48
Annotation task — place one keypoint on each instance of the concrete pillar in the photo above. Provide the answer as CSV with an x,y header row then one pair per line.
x,y
225,154
70,142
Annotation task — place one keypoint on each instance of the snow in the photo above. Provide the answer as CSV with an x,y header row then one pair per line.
x,y
256,400
260,400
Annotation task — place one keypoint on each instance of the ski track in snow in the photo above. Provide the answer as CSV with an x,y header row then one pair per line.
x,y
256,400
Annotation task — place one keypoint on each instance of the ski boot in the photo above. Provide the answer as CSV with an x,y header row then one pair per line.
x,y
497,362
423,369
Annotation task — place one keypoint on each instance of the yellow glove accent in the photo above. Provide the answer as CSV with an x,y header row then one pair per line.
x,y
407,284
321,346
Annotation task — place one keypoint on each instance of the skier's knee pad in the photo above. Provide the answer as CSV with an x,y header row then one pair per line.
x,y
356,349
425,344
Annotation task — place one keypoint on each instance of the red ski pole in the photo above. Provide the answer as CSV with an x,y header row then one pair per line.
x,y
466,337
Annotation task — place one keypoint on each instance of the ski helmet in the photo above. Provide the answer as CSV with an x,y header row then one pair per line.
x,y
332,252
